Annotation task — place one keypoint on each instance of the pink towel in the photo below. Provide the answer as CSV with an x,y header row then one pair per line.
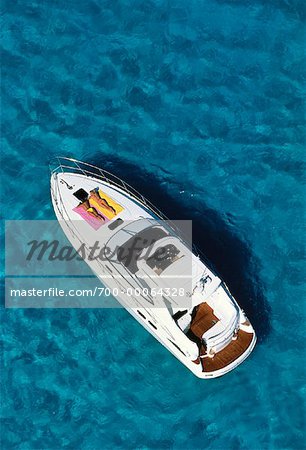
x,y
94,222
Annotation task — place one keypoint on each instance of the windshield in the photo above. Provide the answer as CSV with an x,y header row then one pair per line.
x,y
129,252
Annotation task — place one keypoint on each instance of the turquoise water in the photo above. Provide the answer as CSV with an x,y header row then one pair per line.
x,y
199,105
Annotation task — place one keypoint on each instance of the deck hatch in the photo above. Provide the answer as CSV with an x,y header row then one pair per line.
x,y
115,224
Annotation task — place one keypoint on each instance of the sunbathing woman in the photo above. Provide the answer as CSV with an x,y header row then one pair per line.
x,y
90,210
102,201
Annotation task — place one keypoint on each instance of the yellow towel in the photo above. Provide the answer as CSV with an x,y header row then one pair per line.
x,y
118,208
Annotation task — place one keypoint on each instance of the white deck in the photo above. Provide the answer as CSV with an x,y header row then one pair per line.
x,y
131,211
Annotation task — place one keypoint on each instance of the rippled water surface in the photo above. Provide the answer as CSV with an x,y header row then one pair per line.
x,y
198,104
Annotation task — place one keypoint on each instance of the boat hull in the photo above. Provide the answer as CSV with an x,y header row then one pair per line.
x,y
62,208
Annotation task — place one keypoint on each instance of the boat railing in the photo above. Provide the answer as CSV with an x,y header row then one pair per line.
x,y
65,164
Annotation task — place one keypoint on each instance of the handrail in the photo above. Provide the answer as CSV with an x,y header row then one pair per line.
x,y
104,175
64,164
81,166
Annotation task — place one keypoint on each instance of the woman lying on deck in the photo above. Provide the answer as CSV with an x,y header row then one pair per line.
x,y
101,201
90,210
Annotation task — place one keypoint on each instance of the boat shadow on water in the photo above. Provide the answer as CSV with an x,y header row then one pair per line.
x,y
213,235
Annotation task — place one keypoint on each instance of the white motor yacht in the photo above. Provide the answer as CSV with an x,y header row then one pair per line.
x,y
148,266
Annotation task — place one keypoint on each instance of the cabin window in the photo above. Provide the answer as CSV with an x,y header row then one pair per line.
x,y
152,325
140,313
175,345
